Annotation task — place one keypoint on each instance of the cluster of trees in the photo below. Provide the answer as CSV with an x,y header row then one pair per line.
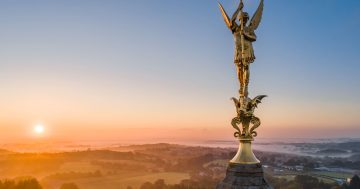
x,y
99,154
192,164
30,183
69,186
346,164
74,175
354,183
185,184
308,182
300,182
117,166
22,184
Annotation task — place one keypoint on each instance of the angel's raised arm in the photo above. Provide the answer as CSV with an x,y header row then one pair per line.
x,y
236,13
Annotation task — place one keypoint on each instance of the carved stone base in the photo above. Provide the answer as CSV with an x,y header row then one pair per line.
x,y
244,176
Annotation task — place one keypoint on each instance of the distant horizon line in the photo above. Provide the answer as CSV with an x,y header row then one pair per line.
x,y
169,140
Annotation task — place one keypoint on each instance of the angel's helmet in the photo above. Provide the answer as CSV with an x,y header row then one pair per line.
x,y
245,16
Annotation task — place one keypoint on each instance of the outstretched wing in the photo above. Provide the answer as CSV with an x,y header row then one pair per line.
x,y
256,19
257,100
225,16
236,102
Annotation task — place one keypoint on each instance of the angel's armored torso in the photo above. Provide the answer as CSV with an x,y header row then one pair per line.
x,y
249,37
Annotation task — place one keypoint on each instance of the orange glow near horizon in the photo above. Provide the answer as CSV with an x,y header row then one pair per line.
x,y
121,117
95,74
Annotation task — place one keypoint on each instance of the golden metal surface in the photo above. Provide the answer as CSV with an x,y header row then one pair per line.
x,y
244,36
245,117
245,121
245,154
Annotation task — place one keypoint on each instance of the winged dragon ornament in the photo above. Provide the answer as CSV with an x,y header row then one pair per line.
x,y
244,35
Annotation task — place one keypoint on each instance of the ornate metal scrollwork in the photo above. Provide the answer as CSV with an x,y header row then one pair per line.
x,y
235,122
256,123
245,116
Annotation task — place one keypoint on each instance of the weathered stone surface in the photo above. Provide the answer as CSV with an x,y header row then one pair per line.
x,y
244,176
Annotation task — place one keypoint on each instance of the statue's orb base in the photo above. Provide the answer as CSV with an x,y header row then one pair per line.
x,y
244,176
245,154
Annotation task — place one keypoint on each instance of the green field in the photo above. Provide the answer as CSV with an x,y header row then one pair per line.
x,y
333,174
221,162
287,177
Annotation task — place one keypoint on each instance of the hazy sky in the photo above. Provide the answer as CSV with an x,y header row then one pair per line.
x,y
163,69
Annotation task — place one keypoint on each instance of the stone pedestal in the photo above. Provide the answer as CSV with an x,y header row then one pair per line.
x,y
244,176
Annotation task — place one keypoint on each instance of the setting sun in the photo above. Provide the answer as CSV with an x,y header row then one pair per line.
x,y
39,129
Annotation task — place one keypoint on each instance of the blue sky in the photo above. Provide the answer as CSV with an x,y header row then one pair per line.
x,y
171,62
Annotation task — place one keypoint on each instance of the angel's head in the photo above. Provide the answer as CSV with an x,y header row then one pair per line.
x,y
244,16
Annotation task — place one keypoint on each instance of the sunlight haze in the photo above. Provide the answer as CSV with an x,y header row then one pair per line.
x,y
156,70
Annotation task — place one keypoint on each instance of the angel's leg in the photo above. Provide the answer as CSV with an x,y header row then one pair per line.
x,y
246,76
240,77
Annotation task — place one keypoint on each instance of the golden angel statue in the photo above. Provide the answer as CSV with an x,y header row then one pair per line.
x,y
244,36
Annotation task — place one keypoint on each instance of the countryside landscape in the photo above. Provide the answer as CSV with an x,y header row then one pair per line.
x,y
164,165
179,94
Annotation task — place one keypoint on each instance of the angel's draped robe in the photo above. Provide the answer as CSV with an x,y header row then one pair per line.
x,y
249,56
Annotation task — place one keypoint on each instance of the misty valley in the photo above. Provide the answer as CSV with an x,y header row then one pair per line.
x,y
163,165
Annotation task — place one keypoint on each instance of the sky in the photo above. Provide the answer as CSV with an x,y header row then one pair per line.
x,y
163,69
